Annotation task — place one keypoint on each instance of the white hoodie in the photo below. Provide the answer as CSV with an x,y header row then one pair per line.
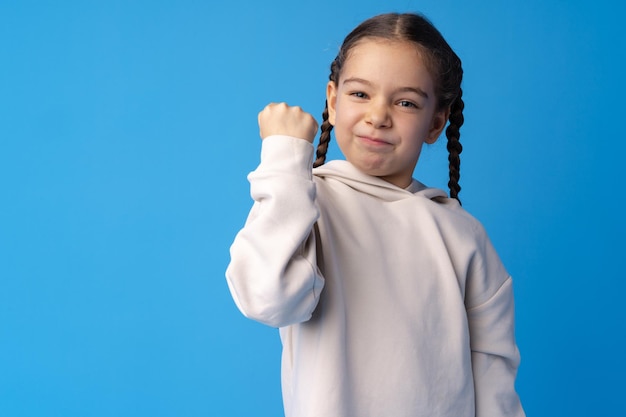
x,y
391,302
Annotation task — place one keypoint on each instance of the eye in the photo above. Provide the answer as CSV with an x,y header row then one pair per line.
x,y
359,94
407,103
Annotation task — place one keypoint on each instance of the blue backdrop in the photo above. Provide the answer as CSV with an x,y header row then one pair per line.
x,y
127,129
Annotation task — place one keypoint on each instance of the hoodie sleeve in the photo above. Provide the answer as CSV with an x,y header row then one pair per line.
x,y
495,356
272,275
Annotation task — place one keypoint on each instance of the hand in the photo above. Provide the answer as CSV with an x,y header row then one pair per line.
x,y
282,119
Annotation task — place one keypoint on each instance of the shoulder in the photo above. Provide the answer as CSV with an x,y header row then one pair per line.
x,y
449,210
485,271
462,230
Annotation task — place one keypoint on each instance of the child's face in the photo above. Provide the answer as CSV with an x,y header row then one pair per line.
x,y
383,109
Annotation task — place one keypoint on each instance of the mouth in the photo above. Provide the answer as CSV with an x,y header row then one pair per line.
x,y
373,141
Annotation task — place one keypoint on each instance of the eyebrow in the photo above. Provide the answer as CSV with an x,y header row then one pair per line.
x,y
415,90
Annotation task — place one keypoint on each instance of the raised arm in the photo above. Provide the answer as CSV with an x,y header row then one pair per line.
x,y
273,276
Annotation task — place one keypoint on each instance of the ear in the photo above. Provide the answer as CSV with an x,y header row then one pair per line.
x,y
331,99
437,124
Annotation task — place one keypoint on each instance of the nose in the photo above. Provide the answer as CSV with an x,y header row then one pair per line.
x,y
378,115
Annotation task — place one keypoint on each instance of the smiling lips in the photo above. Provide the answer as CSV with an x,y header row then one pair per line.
x,y
373,142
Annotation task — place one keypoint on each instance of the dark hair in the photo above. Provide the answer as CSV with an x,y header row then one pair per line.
x,y
443,64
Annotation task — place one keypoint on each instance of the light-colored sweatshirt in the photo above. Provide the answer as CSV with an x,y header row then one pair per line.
x,y
391,302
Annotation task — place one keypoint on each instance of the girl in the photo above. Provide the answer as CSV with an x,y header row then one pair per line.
x,y
390,298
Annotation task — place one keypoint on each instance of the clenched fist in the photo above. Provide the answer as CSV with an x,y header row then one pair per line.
x,y
282,119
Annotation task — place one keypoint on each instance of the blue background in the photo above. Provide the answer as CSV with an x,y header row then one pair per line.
x,y
127,129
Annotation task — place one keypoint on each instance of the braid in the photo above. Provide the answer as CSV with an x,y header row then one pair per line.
x,y
454,145
322,146
326,127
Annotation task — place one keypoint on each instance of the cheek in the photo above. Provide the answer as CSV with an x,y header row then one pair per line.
x,y
419,131
344,116
343,125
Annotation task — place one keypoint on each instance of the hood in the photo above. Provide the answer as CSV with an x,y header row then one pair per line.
x,y
346,173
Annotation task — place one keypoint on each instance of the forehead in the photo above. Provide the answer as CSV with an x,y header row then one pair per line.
x,y
388,60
